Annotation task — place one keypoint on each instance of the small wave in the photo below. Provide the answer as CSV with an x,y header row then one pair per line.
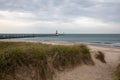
x,y
116,44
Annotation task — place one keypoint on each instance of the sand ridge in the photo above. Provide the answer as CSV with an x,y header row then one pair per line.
x,y
100,71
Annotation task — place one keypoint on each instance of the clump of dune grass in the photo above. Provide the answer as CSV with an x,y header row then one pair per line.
x,y
70,56
20,56
100,56
38,61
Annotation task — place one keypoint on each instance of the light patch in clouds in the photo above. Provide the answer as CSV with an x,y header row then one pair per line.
x,y
85,21
13,22
12,15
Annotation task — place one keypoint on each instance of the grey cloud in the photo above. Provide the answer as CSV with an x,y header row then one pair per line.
x,y
65,10
105,11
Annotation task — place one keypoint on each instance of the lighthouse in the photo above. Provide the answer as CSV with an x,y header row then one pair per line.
x,y
56,34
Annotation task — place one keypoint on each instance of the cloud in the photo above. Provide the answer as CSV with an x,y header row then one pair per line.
x,y
16,14
107,10
13,22
82,16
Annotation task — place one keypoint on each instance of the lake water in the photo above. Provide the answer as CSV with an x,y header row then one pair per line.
x,y
98,39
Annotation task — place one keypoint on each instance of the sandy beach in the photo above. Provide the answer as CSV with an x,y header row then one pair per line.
x,y
100,71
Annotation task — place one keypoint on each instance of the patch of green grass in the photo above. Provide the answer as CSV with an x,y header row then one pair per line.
x,y
100,56
42,58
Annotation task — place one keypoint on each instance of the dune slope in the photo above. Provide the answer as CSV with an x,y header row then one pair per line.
x,y
100,71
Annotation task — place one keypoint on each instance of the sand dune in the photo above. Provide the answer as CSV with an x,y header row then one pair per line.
x,y
100,71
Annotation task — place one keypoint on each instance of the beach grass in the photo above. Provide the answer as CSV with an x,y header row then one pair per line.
x,y
39,60
100,56
70,56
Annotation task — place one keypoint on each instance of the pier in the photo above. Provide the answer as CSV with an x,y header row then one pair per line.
x,y
8,36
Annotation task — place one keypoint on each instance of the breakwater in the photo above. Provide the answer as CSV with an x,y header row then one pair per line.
x,y
7,36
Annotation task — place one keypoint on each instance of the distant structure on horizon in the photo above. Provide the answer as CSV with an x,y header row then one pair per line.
x,y
56,34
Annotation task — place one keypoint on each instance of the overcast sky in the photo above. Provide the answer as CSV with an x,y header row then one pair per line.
x,y
68,16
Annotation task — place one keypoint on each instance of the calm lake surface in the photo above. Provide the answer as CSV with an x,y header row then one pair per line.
x,y
98,39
